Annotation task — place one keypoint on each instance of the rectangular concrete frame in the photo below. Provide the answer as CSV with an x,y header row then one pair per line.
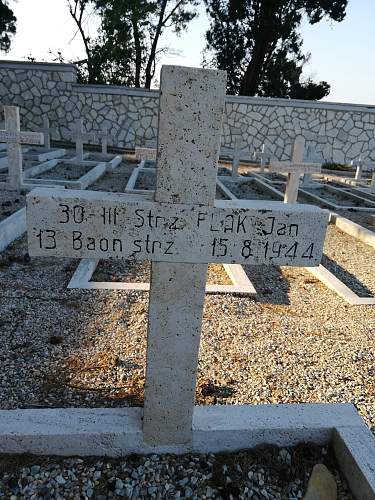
x,y
336,285
252,178
333,206
118,432
329,279
86,268
98,170
12,228
320,272
45,155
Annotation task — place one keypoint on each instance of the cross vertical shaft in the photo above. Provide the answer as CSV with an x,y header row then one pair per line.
x,y
291,189
13,125
190,117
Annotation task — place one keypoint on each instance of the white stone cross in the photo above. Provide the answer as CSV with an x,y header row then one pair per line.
x,y
180,232
372,185
47,130
13,136
79,136
236,153
360,165
261,155
104,135
294,169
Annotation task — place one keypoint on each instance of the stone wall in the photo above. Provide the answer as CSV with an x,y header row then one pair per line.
x,y
339,132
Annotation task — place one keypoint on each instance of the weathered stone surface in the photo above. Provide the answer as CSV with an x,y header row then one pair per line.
x,y
103,225
13,136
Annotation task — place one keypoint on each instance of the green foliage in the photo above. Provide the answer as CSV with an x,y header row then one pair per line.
x,y
329,165
258,43
127,47
7,25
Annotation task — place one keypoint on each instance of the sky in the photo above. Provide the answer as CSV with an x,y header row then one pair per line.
x,y
341,53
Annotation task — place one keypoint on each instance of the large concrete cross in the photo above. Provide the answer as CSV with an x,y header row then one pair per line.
x,y
13,136
294,169
181,231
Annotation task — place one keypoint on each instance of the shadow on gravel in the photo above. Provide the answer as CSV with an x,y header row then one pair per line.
x,y
271,286
346,277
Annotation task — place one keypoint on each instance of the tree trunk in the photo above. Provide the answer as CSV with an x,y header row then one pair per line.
x,y
251,79
151,59
138,52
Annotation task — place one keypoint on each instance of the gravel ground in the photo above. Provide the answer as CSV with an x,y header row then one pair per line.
x,y
139,272
297,342
10,202
358,272
265,473
146,180
249,191
115,181
66,171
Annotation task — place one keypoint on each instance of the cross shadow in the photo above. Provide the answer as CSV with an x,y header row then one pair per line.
x,y
271,286
347,278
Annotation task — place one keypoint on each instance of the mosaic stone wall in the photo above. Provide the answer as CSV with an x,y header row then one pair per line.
x,y
339,132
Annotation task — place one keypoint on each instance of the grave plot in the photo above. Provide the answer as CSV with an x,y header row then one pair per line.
x,y
351,261
146,180
116,180
69,173
252,189
364,219
41,154
10,202
195,476
334,198
169,421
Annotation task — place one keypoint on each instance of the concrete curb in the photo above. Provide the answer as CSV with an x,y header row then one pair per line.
x,y
86,268
117,432
12,228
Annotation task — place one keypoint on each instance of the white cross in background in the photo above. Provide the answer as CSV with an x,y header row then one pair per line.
x,y
13,136
79,135
180,232
294,169
47,130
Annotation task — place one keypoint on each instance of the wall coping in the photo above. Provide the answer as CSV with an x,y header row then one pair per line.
x,y
255,101
41,66
139,92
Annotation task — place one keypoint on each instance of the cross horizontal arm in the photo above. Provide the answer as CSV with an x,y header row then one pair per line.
x,y
290,168
104,225
22,137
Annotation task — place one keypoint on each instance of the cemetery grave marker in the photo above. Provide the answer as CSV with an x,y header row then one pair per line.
x,y
180,232
79,135
13,136
47,130
294,169
236,153
261,155
104,136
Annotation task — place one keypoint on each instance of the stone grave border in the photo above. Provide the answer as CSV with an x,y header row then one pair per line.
x,y
97,171
12,228
45,155
116,432
253,179
130,186
82,279
321,273
333,206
